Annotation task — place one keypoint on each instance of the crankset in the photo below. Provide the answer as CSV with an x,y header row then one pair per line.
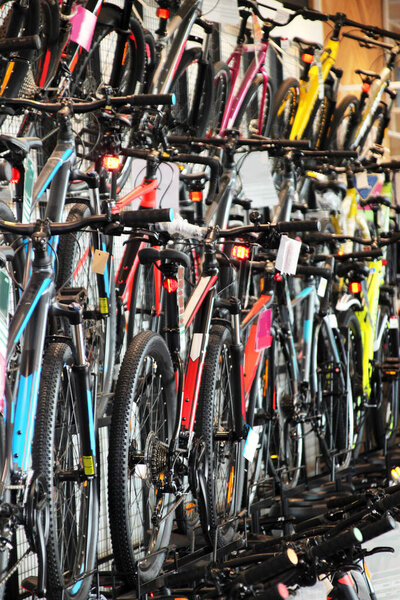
x,y
37,522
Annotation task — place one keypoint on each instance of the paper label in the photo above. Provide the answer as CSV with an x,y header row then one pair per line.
x,y
281,16
251,443
288,255
322,287
263,332
83,25
225,12
257,31
394,322
256,178
362,180
99,263
332,320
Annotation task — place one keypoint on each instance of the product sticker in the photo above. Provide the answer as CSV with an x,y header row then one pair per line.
x,y
322,287
288,255
99,263
263,333
251,443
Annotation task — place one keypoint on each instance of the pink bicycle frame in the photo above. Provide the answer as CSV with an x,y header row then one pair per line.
x,y
235,100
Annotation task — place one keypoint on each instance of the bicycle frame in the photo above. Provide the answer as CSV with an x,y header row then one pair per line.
x,y
309,89
235,99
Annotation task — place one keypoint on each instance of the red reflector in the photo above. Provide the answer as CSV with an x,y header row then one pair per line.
x,y
366,87
355,287
341,252
241,252
15,175
170,284
278,277
283,591
111,163
163,13
196,195
307,58
384,262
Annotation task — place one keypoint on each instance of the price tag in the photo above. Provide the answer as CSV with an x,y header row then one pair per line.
x,y
332,320
281,16
257,31
322,287
288,255
83,25
394,322
99,263
251,443
263,332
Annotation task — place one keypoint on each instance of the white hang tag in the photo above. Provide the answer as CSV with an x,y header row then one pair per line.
x,y
322,287
332,320
394,322
362,180
99,263
260,190
288,255
251,443
281,16
225,12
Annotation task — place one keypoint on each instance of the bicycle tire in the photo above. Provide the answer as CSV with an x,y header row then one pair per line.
x,y
247,119
284,110
73,501
350,329
142,310
375,132
334,409
385,388
318,124
343,124
144,413
193,86
286,441
223,460
222,88
75,270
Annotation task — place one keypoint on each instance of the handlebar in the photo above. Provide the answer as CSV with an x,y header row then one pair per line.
x,y
255,142
367,41
84,107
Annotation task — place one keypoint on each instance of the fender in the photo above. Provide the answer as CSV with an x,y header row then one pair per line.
x,y
347,301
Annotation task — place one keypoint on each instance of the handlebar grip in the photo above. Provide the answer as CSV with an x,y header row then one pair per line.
x,y
390,501
342,502
287,226
312,15
373,530
340,542
269,569
361,254
177,580
314,271
133,218
28,42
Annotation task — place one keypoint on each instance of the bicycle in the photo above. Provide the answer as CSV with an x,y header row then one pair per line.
x,y
52,470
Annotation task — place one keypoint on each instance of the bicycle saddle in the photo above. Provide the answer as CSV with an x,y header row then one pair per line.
x,y
147,256
307,43
370,74
19,144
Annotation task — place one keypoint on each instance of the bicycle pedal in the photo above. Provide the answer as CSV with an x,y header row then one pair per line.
x,y
390,368
68,295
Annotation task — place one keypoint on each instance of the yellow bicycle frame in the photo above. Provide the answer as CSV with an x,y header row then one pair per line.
x,y
309,89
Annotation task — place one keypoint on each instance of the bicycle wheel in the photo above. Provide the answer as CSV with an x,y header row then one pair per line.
x,y
248,117
143,417
222,88
333,403
223,458
75,260
73,497
343,124
193,86
385,384
284,109
351,333
286,443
